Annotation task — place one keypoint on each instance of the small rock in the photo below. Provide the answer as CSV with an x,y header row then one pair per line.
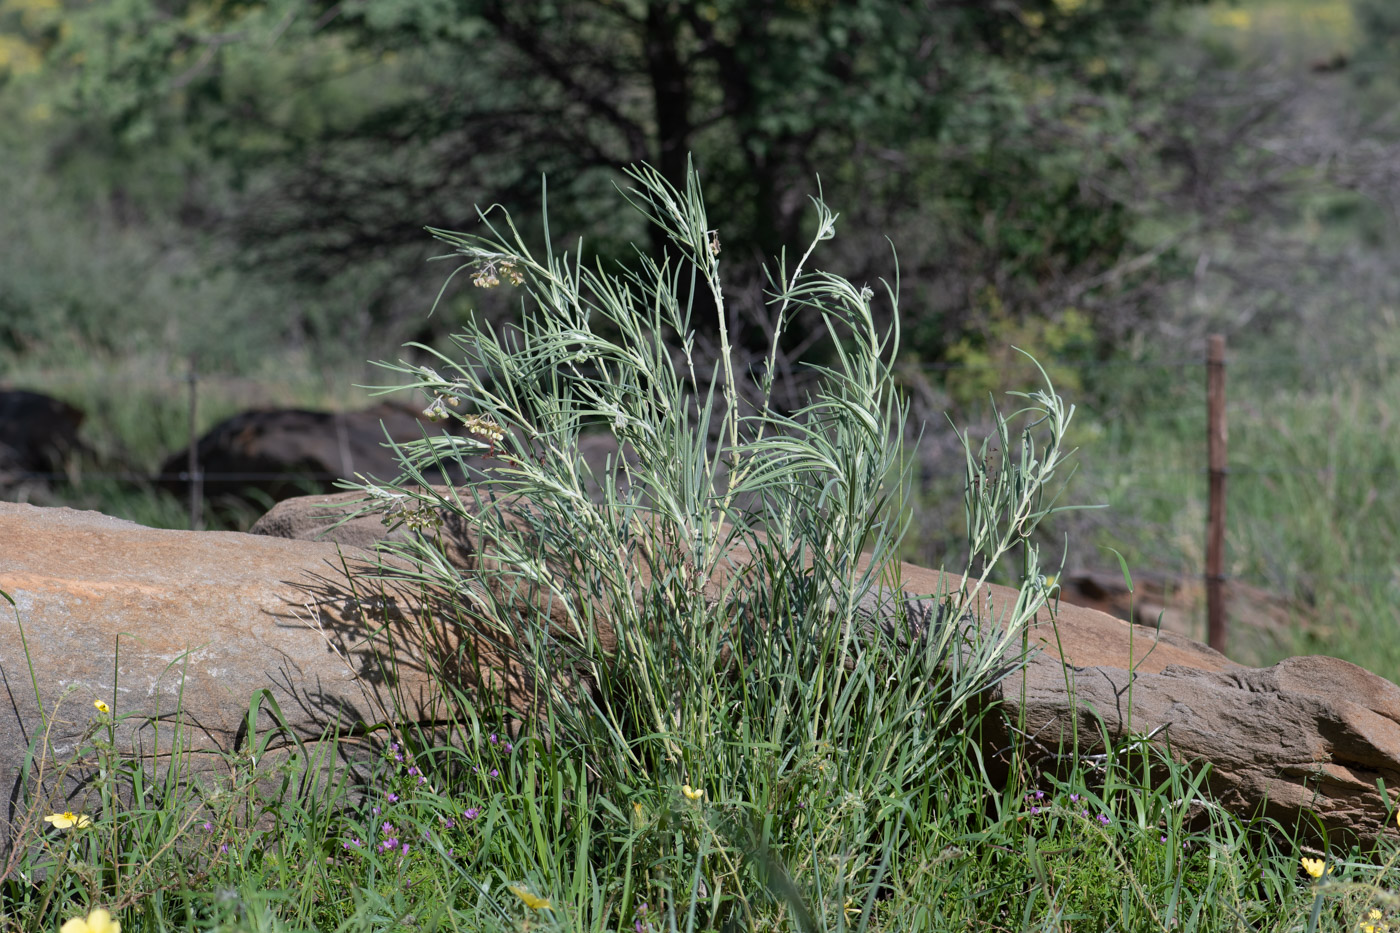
x,y
38,439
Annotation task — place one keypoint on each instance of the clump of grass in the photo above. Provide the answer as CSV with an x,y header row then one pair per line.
x,y
721,592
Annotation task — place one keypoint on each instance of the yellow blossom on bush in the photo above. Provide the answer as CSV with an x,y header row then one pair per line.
x,y
68,819
1313,866
99,921
532,901
691,793
101,707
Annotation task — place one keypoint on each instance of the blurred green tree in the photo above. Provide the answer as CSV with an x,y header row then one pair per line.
x,y
1378,39
997,140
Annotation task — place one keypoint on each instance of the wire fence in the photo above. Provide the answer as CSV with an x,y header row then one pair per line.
x,y
270,395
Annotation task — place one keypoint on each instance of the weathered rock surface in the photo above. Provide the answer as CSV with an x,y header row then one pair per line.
x,y
278,453
228,614
188,626
1307,734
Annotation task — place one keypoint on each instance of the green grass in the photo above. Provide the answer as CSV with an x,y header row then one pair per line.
x,y
444,836
1312,503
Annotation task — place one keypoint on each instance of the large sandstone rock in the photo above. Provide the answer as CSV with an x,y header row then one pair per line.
x,y
1307,734
224,614
170,626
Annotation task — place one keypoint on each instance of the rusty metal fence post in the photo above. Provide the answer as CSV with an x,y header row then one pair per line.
x,y
1216,435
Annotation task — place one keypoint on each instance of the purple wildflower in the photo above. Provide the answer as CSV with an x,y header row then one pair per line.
x,y
495,773
1103,818
472,813
392,797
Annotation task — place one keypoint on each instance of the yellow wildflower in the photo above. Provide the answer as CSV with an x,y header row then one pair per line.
x,y
68,819
532,901
101,707
99,921
691,793
1313,866
1371,923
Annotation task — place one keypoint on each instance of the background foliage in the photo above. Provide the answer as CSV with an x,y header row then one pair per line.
x,y
309,142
